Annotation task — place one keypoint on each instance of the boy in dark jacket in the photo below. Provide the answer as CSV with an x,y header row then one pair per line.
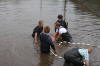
x,y
37,30
46,41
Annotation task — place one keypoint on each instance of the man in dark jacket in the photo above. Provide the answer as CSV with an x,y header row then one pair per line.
x,y
77,56
37,30
62,22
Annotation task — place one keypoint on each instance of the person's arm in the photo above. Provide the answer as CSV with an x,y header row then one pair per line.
x,y
52,45
36,38
53,38
59,36
87,63
65,25
55,34
85,54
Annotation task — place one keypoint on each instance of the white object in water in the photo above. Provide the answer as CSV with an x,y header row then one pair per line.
x,y
60,57
61,42
73,43
78,43
69,42
55,54
83,43
88,44
64,42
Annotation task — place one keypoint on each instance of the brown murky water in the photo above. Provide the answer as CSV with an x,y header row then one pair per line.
x,y
19,17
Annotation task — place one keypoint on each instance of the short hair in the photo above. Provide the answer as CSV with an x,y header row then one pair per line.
x,y
57,24
60,16
46,29
40,22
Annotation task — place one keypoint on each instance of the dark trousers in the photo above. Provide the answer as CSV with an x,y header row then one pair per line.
x,y
66,37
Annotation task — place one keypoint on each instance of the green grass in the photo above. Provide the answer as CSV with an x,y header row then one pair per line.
x,y
96,2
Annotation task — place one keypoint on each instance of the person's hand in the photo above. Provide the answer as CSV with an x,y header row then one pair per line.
x,y
87,63
56,52
56,39
53,38
36,42
54,24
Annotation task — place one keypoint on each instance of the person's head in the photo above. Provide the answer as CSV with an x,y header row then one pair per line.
x,y
57,25
60,17
40,23
90,49
46,29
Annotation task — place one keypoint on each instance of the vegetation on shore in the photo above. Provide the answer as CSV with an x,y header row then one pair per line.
x,y
92,5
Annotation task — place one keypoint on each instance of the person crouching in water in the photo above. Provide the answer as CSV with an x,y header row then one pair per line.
x,y
63,33
77,56
37,30
46,41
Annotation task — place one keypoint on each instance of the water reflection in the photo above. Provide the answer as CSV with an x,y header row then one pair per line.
x,y
66,64
45,60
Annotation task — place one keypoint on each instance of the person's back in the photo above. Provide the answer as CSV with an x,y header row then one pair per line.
x,y
73,56
73,53
77,56
46,41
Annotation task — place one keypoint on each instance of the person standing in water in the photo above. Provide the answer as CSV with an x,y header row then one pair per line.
x,y
37,30
46,41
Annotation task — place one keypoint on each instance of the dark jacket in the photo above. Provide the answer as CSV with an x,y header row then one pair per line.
x,y
46,42
73,56
37,30
67,37
63,23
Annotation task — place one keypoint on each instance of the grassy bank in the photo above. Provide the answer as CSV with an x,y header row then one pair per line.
x,y
96,2
92,5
